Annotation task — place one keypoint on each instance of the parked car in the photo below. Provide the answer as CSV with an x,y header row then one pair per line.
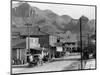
x,y
35,60
45,58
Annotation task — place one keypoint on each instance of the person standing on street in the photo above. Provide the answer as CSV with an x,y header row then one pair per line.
x,y
30,60
40,60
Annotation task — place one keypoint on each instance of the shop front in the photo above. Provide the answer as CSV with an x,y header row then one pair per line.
x,y
18,53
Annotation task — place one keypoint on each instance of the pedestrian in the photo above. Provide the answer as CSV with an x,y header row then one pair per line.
x,y
40,60
13,61
30,60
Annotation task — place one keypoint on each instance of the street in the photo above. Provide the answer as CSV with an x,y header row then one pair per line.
x,y
59,64
70,62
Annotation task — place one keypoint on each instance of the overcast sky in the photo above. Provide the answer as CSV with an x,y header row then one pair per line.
x,y
74,11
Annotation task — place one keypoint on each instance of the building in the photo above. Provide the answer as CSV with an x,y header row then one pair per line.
x,y
38,40
36,33
18,51
56,45
69,40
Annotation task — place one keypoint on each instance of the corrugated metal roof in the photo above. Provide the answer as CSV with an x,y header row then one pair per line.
x,y
18,43
24,31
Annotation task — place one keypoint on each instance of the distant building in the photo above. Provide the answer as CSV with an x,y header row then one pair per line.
x,y
69,40
93,39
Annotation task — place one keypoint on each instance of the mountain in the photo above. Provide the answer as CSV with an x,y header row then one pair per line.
x,y
21,11
47,20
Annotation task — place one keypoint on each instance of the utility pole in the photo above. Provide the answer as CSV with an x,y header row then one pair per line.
x,y
88,39
28,29
81,43
28,25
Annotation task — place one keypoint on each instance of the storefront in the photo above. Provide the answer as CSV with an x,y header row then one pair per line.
x,y
19,52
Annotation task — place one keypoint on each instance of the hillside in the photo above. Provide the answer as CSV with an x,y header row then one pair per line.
x,y
47,20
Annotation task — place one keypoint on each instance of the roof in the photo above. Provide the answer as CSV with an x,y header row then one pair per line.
x,y
24,31
18,43
21,43
68,37
34,33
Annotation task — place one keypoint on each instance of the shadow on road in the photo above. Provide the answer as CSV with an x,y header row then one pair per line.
x,y
74,66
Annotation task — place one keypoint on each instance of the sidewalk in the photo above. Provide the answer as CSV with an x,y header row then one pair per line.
x,y
90,64
26,65
20,66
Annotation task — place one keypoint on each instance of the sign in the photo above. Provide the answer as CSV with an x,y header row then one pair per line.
x,y
33,42
59,49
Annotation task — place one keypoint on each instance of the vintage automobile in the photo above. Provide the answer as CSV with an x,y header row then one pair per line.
x,y
35,60
45,58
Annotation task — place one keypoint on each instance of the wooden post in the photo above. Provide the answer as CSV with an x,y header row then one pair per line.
x,y
81,44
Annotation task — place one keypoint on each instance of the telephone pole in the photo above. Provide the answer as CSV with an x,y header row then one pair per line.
x,y
88,39
28,30
81,44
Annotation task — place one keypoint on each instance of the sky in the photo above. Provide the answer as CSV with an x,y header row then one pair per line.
x,y
75,11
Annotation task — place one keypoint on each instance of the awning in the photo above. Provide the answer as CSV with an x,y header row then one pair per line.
x,y
36,48
58,44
